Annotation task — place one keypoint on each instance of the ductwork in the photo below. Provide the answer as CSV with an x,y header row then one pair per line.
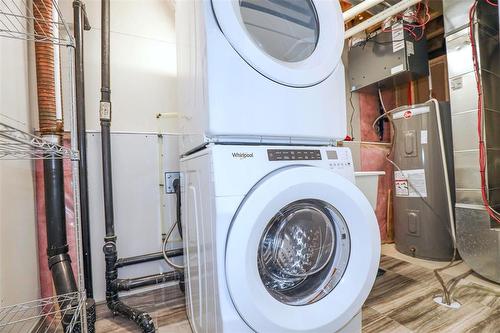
x,y
45,69
478,235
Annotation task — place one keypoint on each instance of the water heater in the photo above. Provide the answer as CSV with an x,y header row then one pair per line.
x,y
423,181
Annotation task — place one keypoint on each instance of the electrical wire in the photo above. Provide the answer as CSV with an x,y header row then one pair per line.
x,y
482,153
421,17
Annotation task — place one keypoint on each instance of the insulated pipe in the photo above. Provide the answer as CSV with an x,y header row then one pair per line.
x,y
79,26
380,17
359,8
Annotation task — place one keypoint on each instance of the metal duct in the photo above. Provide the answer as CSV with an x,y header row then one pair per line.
x,y
478,236
45,68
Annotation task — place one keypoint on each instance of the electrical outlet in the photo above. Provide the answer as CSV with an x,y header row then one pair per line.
x,y
169,181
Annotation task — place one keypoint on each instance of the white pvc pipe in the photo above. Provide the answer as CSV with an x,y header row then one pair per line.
x,y
380,17
446,179
359,8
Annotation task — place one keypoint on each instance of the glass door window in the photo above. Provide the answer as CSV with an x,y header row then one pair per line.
x,y
288,30
303,252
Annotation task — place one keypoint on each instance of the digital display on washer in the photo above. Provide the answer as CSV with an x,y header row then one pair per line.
x,y
332,155
293,155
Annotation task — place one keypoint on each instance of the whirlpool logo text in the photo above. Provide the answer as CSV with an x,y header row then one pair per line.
x,y
242,156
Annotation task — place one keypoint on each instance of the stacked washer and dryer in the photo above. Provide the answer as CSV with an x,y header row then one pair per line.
x,y
277,237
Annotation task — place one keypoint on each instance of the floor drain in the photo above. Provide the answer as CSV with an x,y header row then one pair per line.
x,y
454,304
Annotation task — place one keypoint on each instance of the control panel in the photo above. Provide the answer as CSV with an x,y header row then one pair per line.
x,y
294,154
337,159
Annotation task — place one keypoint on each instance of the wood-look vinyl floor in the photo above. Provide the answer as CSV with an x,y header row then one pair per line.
x,y
401,301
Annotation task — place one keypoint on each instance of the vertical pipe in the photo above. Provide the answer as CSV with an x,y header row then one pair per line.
x,y
142,319
78,16
54,206
105,117
52,130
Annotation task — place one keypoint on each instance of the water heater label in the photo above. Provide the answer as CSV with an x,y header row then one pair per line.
x,y
410,183
408,113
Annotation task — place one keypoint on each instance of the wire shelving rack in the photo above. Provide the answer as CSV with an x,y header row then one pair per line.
x,y
17,144
18,19
43,315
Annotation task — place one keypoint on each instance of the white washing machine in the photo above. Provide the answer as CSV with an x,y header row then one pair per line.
x,y
260,71
277,239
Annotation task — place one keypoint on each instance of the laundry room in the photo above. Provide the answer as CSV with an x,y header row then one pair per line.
x,y
234,166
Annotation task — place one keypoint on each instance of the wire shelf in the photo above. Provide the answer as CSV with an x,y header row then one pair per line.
x,y
17,144
26,20
44,315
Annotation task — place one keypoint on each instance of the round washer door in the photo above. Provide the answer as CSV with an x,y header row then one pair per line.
x,y
302,252
297,43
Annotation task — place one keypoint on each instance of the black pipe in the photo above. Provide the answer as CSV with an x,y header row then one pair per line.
x,y
142,319
122,262
144,281
59,261
55,211
79,17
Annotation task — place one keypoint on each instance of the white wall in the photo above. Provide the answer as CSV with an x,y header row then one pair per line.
x,y
19,279
143,62
143,79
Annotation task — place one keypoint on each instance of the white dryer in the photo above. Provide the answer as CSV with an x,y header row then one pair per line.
x,y
260,71
277,239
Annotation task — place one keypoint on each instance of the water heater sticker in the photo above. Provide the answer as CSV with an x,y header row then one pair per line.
x,y
398,37
410,183
402,188
423,137
410,113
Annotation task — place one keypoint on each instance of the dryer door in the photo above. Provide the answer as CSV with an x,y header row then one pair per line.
x,y
302,252
294,42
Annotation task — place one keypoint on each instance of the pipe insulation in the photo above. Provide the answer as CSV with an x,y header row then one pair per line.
x,y
380,17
